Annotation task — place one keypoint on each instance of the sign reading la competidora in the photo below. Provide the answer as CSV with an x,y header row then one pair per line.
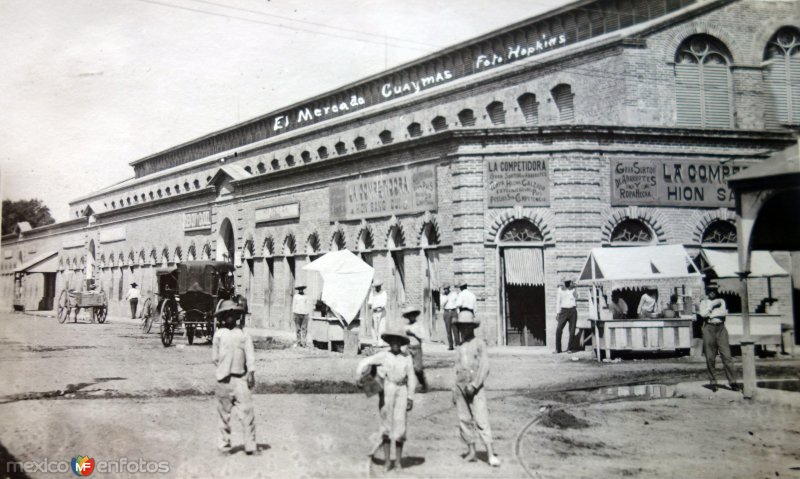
x,y
665,182
407,191
520,181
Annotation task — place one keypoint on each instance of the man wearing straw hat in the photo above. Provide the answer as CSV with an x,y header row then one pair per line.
x,y
133,298
301,308
469,394
395,370
715,336
377,304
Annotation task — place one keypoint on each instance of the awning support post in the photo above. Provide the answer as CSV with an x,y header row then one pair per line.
x,y
597,311
748,346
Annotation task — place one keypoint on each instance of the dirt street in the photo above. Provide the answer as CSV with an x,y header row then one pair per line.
x,y
114,394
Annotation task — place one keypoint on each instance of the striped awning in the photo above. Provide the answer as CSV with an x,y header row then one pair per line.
x,y
524,266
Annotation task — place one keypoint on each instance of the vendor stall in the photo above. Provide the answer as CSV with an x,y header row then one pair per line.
x,y
765,323
665,268
346,281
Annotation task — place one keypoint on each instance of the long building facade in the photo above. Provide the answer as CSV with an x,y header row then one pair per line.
x,y
500,162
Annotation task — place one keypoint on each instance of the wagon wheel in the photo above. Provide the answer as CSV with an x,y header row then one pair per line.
x,y
147,315
190,334
101,312
63,306
169,318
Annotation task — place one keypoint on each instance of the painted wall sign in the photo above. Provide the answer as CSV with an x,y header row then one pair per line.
x,y
408,191
110,235
197,220
512,182
277,213
671,183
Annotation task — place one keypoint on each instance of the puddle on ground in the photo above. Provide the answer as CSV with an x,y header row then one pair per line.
x,y
792,385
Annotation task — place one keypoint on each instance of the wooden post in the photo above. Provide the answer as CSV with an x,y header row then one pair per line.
x,y
748,346
597,311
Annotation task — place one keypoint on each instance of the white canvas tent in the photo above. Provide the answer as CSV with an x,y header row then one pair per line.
x,y
346,281
725,266
638,266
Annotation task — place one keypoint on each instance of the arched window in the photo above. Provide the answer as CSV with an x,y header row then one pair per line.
x,y
466,117
414,130
290,160
341,149
529,107
497,114
338,241
276,165
562,95
521,231
720,232
305,156
397,238
782,78
703,83
386,137
261,167
360,143
439,123
365,240
248,169
322,152
631,231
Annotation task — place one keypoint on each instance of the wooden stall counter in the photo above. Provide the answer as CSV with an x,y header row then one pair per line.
x,y
656,334
327,330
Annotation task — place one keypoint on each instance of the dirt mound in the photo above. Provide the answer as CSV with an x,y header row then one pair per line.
x,y
560,419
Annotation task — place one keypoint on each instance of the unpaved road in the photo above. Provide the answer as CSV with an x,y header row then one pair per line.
x,y
109,392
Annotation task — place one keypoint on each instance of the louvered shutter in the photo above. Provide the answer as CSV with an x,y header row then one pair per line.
x,y
497,114
775,86
794,83
717,96
530,109
687,94
566,110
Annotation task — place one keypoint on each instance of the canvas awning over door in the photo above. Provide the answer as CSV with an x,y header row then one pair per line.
x,y
726,263
43,263
524,266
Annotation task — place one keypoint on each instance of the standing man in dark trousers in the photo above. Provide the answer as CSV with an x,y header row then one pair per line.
x,y
450,316
567,313
715,337
133,299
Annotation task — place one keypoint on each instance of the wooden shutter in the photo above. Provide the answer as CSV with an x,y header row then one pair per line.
x,y
775,88
563,96
793,80
530,109
687,94
717,96
496,113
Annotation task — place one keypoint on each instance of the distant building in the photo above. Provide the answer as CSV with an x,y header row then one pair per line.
x,y
499,162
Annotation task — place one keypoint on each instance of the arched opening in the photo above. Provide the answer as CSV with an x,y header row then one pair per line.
x,y
522,292
703,83
631,231
290,268
781,81
431,288
226,247
397,282
90,260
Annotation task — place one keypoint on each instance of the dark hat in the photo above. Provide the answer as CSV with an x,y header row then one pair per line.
x,y
393,332
227,306
712,287
409,310
377,283
300,287
134,284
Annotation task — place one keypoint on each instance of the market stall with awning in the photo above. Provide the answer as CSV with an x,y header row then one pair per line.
x,y
766,328
34,282
640,267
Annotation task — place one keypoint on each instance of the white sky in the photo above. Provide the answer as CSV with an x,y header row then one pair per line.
x,y
87,86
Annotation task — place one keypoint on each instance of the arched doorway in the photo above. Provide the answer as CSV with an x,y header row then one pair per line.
x,y
429,243
90,260
226,245
397,282
522,292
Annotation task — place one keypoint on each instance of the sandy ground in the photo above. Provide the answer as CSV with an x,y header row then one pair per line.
x,y
110,392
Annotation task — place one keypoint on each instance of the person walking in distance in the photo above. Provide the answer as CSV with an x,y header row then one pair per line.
x,y
450,316
301,308
234,357
567,313
416,334
469,393
377,304
466,303
713,311
133,299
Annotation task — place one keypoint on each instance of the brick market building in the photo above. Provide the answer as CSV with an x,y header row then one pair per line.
x,y
499,162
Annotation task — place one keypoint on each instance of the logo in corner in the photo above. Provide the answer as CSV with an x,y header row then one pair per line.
x,y
82,465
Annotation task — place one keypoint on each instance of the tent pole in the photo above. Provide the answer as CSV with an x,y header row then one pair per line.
x,y
597,310
748,349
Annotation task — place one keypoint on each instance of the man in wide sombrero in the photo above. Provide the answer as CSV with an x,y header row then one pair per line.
x,y
395,370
